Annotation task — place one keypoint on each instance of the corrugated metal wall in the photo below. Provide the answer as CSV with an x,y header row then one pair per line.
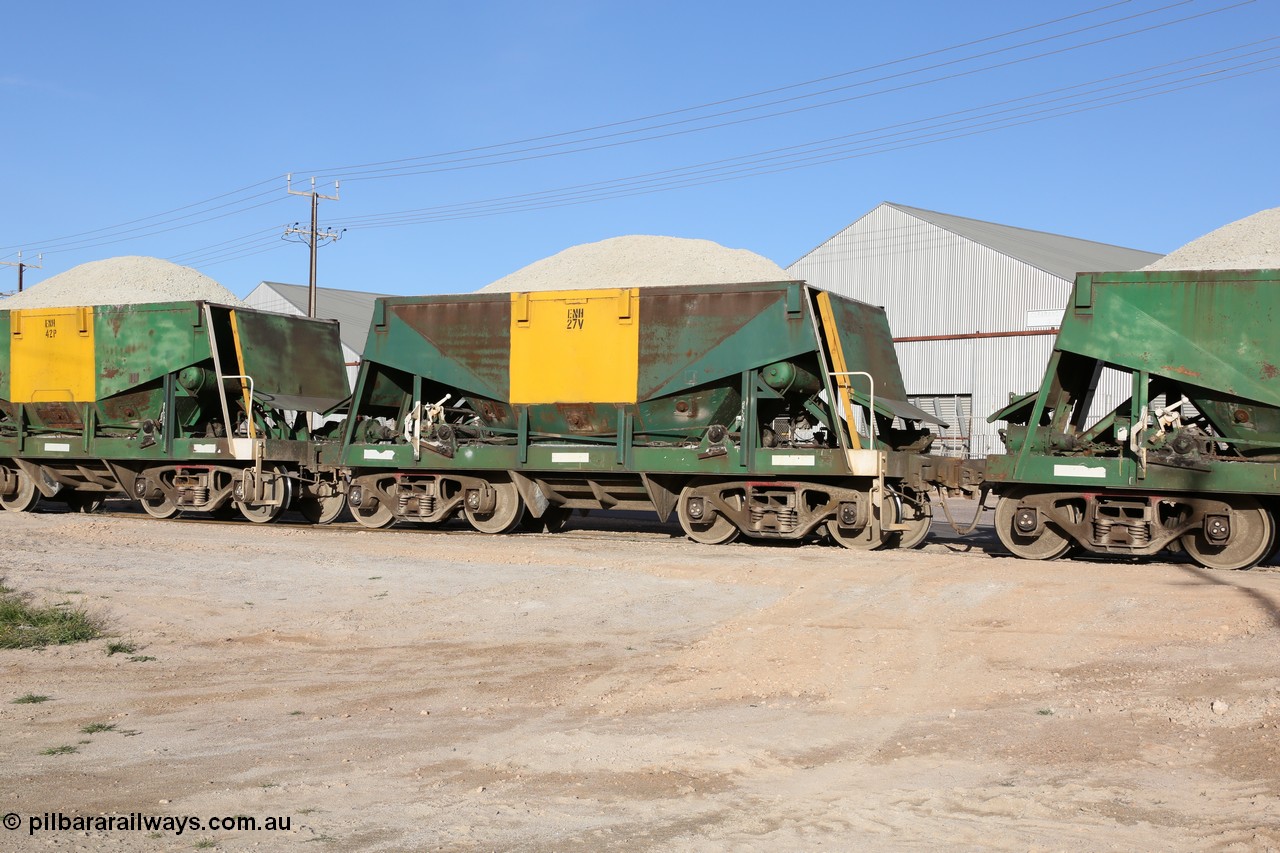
x,y
933,282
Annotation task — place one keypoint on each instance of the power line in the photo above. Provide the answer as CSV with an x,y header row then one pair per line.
x,y
891,138
633,137
683,177
226,248
351,170
314,236
136,233
57,240
237,202
23,266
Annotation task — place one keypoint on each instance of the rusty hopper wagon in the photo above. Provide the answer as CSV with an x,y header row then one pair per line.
x,y
182,405
729,405
1189,462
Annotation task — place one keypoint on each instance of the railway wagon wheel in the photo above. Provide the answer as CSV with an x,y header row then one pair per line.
x,y
269,512
370,505
374,517
706,526
503,517
1047,544
153,500
1253,533
869,538
321,508
25,498
917,514
159,507
872,536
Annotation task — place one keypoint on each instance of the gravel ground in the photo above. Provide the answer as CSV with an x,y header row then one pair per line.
x,y
1249,243
614,689
639,261
124,280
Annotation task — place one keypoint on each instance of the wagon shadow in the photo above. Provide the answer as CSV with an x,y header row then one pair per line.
x,y
1268,604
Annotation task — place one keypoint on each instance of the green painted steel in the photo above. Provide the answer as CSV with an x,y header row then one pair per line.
x,y
1206,335
1190,460
295,366
717,403
5,338
156,386
136,346
707,358
868,343
1208,329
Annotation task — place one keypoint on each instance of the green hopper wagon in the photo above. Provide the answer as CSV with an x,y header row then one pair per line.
x,y
1190,461
734,406
182,405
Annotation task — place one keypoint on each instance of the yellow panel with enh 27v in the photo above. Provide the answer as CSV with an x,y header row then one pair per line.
x,y
575,346
51,357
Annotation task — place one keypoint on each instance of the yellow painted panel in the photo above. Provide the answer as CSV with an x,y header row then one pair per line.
x,y
248,394
838,365
51,355
575,346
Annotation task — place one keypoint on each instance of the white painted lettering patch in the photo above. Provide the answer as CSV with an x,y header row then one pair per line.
x,y
1079,471
798,460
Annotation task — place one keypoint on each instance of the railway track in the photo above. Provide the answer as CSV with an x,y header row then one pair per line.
x,y
598,527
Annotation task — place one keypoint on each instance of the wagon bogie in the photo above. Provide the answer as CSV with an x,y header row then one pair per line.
x,y
762,410
1185,459
182,406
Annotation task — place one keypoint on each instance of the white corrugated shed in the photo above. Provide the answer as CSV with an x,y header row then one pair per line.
x,y
353,309
987,296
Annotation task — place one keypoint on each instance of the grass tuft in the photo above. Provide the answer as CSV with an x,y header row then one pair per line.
x,y
94,728
121,647
31,699
24,625
60,750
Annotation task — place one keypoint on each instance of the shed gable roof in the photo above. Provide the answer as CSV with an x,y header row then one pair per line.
x,y
353,309
1053,253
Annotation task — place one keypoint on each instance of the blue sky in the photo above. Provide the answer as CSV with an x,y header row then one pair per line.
x,y
502,132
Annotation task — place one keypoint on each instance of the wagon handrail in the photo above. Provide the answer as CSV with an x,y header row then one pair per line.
x,y
871,419
248,400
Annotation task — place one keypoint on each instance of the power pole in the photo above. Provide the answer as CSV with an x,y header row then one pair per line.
x,y
313,235
23,265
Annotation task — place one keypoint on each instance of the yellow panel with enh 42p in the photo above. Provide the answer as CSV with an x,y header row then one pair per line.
x,y
574,346
51,356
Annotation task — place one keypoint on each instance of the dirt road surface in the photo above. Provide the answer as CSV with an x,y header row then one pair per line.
x,y
610,690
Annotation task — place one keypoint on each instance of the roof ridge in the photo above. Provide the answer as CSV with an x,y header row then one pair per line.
x,y
912,211
323,289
